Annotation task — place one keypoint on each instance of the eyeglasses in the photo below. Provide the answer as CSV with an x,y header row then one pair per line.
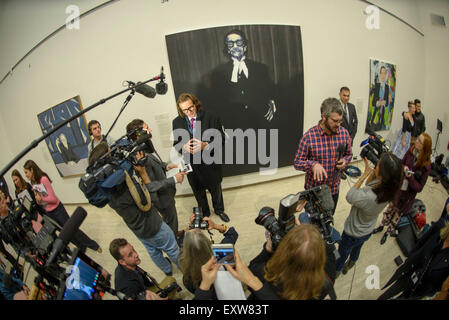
x,y
189,109
336,121
231,43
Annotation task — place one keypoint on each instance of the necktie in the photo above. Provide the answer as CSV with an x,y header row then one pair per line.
x,y
346,113
192,120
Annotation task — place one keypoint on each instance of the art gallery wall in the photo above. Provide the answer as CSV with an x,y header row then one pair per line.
x,y
125,40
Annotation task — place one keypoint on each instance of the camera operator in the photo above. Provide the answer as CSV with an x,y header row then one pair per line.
x,y
416,159
162,189
4,211
367,203
147,224
197,250
130,279
297,270
12,288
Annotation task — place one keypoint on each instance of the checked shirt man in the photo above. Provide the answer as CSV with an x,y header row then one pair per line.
x,y
318,154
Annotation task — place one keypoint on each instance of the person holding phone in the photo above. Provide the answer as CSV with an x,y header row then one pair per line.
x,y
197,250
54,207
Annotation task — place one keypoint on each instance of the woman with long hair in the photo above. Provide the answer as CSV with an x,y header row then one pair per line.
x,y
299,269
21,185
53,206
197,250
416,164
367,203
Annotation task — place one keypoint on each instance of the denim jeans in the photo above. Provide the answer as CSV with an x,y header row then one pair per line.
x,y
350,246
163,241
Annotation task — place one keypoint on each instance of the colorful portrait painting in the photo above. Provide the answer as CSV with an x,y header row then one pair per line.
x,y
382,91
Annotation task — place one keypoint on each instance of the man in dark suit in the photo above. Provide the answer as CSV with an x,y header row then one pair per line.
x,y
380,100
162,189
241,92
350,121
199,137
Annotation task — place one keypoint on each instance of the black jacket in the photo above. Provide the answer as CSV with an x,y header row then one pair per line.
x,y
130,282
203,175
161,188
352,122
420,124
423,273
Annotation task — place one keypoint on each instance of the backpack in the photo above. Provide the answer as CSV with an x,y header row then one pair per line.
x,y
418,213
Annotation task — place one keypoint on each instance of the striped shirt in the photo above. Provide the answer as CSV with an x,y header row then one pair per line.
x,y
318,147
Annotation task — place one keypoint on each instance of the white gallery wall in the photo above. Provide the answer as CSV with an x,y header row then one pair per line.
x,y
125,40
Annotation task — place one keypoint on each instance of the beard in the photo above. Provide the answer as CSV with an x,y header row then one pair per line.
x,y
332,130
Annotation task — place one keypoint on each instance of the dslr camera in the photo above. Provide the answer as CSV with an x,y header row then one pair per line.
x,y
198,222
319,206
373,147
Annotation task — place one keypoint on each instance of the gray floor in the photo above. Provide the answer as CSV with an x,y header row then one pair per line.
x,y
242,205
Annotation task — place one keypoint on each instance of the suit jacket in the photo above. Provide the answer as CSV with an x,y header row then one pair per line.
x,y
351,123
242,104
162,189
203,175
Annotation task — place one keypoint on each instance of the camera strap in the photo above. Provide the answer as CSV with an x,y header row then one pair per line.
x,y
135,193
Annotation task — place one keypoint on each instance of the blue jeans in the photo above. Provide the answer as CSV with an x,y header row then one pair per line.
x,y
350,246
165,241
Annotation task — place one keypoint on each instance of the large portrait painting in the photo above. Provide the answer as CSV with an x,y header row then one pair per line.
x,y
251,76
381,95
67,145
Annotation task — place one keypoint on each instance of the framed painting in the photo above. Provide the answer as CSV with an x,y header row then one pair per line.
x,y
67,145
382,93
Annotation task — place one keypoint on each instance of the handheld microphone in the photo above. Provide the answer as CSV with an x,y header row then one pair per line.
x,y
67,233
161,86
341,150
143,89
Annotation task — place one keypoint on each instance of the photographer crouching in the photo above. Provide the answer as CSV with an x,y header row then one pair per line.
x,y
197,250
135,282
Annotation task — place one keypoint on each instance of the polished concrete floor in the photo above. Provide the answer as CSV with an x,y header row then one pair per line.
x,y
242,205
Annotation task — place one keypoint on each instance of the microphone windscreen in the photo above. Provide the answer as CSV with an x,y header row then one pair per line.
x,y
161,87
72,225
146,90
325,196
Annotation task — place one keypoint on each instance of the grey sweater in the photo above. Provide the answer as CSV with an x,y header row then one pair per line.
x,y
364,211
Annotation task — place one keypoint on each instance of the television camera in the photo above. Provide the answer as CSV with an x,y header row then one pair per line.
x,y
107,173
319,206
373,147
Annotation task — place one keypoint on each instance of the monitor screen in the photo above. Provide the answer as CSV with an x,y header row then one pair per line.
x,y
82,282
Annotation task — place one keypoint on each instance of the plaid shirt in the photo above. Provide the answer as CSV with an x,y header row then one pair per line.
x,y
318,147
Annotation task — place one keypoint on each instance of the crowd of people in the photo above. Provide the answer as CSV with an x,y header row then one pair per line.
x,y
303,265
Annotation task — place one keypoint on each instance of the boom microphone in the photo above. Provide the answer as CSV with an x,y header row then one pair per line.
x,y
143,89
161,86
66,235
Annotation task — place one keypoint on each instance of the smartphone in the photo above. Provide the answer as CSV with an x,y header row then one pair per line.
x,y
224,253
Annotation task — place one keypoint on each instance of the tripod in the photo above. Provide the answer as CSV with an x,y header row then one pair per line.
x,y
434,151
